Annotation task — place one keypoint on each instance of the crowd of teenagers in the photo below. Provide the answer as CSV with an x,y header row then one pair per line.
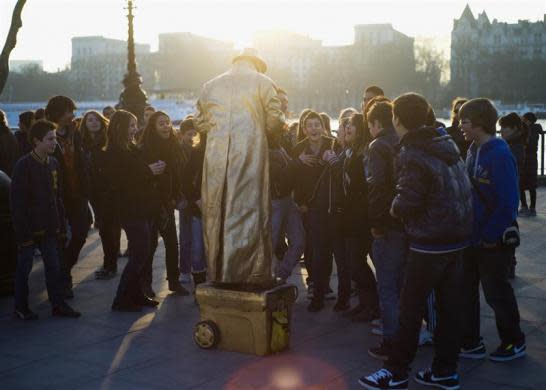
x,y
435,209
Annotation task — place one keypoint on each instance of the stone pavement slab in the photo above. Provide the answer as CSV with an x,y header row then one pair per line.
x,y
155,350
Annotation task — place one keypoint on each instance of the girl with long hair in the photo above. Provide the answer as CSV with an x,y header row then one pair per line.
x,y
128,181
357,232
159,143
93,129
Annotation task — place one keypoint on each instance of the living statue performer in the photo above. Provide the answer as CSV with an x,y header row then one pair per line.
x,y
237,111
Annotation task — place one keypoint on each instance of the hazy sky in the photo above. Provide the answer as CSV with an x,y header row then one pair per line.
x,y
48,25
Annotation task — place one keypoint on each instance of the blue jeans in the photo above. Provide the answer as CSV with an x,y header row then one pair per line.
x,y
192,247
390,254
49,248
286,220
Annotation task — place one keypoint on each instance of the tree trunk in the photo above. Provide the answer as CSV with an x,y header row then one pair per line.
x,y
11,41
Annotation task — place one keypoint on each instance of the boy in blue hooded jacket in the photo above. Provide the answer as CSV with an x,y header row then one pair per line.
x,y
493,172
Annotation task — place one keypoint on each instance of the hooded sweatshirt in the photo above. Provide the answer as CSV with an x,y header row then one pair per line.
x,y
433,192
493,170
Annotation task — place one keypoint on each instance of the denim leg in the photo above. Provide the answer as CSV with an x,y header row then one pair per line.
x,y
471,299
138,236
78,221
25,257
170,240
498,292
296,240
198,263
185,239
49,248
390,257
277,221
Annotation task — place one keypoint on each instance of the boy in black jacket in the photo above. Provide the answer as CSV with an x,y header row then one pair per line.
x,y
38,219
390,245
434,200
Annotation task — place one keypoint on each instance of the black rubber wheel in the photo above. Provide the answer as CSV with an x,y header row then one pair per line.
x,y
206,334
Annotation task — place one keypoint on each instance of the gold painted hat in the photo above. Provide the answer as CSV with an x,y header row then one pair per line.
x,y
251,55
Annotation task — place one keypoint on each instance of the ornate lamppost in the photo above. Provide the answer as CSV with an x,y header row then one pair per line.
x,y
133,98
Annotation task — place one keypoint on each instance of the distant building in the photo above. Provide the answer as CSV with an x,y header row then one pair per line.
x,y
18,66
475,42
98,64
185,60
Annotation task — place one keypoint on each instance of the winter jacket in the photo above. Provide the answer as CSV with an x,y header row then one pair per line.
x,y
129,185
75,176
433,192
356,196
493,171
455,132
281,170
98,191
528,176
24,144
192,175
36,203
312,184
381,179
9,150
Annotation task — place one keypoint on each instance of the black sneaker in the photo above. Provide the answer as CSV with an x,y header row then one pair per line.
x,y
25,313
315,305
477,352
427,378
64,310
383,380
382,352
148,291
506,352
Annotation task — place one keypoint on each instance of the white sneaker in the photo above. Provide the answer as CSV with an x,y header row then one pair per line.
x,y
377,322
377,331
425,337
185,278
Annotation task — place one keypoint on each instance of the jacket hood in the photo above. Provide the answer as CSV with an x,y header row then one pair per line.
x,y
435,142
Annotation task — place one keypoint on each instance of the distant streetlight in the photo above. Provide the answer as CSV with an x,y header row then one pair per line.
x,y
133,98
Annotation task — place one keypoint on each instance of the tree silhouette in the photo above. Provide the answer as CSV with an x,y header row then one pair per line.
x,y
11,41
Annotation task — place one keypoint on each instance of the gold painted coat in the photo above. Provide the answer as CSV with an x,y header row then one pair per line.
x,y
236,110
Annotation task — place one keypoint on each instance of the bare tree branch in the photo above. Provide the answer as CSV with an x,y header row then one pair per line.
x,y
11,41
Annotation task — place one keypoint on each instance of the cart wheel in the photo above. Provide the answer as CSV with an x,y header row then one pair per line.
x,y
206,334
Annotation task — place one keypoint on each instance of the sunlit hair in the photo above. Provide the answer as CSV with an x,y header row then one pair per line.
x,y
377,91
118,130
411,109
431,117
326,123
376,99
87,140
150,131
480,112
311,115
363,136
380,111
26,118
301,133
57,106
187,125
3,120
39,130
454,103
511,120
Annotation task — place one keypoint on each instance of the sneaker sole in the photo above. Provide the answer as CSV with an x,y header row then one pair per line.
x,y
376,332
372,387
378,357
508,358
422,382
472,356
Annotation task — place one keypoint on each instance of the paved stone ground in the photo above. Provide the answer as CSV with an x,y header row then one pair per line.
x,y
154,349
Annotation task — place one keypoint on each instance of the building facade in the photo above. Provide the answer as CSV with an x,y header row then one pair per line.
x,y
490,57
98,65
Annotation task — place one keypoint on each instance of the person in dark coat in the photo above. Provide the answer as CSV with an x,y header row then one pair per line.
x,y
513,132
8,246
9,148
434,200
129,180
160,144
455,129
26,119
528,175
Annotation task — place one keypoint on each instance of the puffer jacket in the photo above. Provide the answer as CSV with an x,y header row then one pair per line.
x,y
433,192
381,177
